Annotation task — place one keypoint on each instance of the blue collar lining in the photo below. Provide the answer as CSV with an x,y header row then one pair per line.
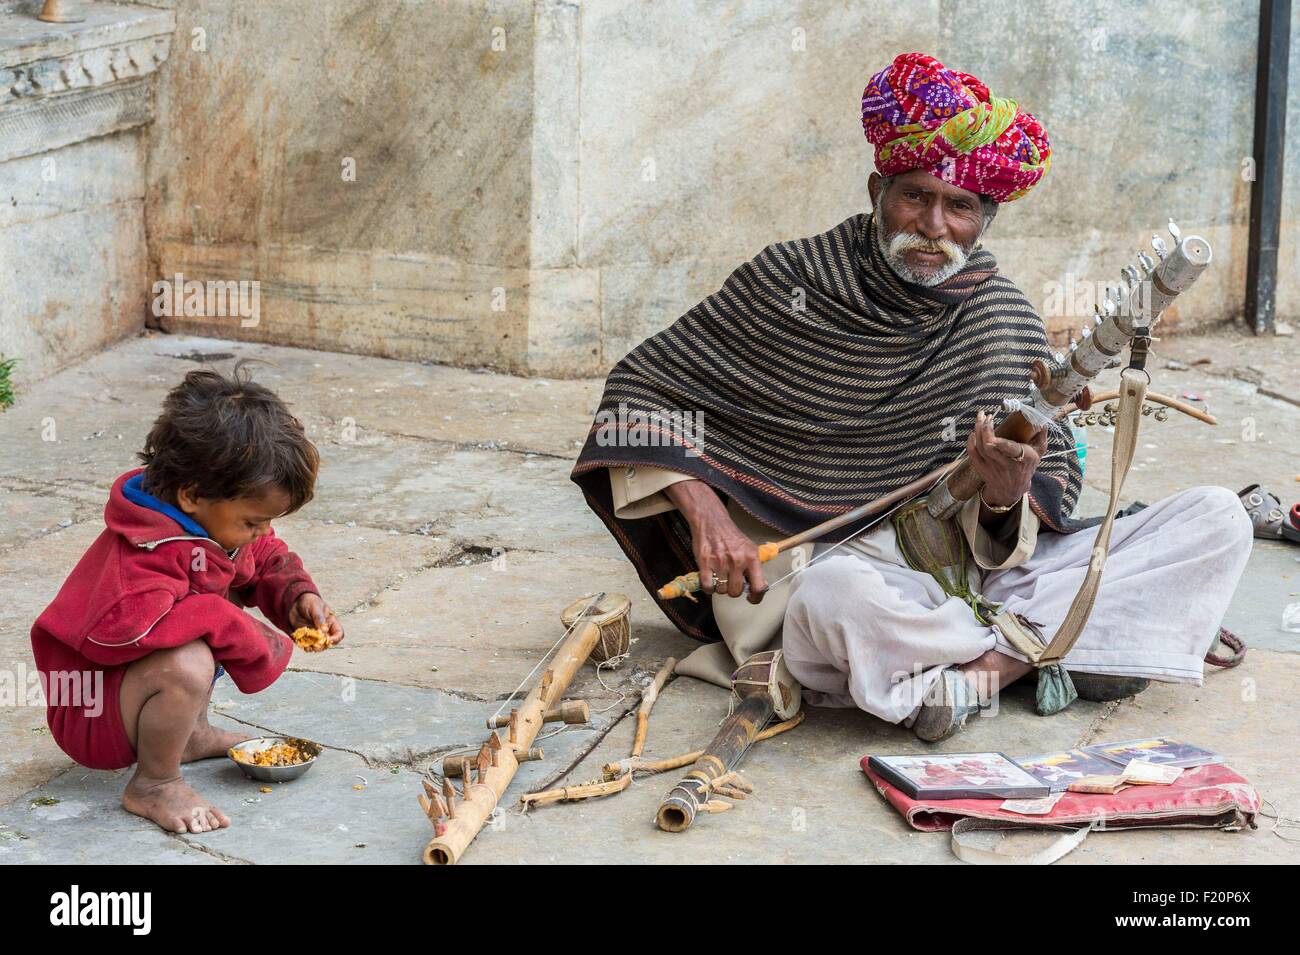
x,y
133,490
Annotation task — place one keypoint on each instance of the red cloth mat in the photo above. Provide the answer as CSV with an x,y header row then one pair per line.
x,y
1210,797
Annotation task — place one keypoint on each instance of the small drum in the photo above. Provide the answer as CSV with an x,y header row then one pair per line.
x,y
765,674
613,615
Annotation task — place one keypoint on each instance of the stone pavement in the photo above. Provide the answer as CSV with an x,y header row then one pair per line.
x,y
446,533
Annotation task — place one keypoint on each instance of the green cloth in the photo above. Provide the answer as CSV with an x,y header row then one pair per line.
x,y
1055,689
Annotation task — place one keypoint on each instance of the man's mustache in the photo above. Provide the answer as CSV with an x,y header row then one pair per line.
x,y
901,242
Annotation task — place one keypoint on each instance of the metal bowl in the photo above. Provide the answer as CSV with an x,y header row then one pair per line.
x,y
274,774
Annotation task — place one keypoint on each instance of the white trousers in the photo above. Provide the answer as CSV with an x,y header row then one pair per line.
x,y
864,629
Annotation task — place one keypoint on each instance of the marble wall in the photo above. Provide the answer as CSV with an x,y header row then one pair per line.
x,y
537,186
73,99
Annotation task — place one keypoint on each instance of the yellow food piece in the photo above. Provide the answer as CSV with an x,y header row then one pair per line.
x,y
310,639
265,789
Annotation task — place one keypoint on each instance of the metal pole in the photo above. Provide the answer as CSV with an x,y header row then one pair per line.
x,y
1270,142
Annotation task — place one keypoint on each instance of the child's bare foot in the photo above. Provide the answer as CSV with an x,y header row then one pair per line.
x,y
172,804
206,741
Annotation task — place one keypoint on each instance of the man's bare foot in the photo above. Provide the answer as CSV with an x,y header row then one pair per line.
x,y
172,804
208,741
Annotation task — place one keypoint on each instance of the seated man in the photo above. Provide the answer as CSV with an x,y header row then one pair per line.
x,y
832,370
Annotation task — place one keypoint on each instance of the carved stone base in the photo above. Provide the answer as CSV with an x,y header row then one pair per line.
x,y
55,121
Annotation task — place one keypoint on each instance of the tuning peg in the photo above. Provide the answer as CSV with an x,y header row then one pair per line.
x,y
1073,346
1085,332
1158,244
1131,274
1060,359
1146,262
1098,321
1176,232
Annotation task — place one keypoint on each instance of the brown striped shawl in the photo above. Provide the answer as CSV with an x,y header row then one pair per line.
x,y
824,381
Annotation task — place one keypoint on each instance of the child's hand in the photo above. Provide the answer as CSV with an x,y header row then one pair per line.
x,y
310,611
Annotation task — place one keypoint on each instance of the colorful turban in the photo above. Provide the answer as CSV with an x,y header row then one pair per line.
x,y
921,115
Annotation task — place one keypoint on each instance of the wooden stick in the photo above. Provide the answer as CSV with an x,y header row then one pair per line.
x,y
640,765
733,780
574,793
570,711
1190,410
648,697
455,765
687,584
479,802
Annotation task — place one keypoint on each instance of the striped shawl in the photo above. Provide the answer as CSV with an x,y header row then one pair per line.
x,y
814,380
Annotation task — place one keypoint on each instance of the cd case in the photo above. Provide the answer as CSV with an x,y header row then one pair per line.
x,y
1161,750
1059,770
958,776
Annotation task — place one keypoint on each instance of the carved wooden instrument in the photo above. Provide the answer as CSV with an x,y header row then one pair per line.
x,y
764,687
1124,316
458,817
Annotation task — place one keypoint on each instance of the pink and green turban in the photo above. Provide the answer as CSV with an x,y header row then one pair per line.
x,y
921,115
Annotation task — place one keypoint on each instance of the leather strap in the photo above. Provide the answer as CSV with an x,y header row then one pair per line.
x,y
1132,391
985,842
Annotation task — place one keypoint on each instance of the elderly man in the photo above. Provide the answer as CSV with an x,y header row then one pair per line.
x,y
832,370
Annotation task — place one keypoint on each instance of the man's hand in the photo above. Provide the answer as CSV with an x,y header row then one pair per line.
x,y
1006,479
723,554
310,611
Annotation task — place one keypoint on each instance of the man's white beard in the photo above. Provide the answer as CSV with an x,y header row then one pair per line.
x,y
893,247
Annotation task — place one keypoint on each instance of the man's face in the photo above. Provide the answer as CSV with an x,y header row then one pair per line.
x,y
929,226
235,522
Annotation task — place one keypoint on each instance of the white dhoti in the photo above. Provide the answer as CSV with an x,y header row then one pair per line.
x,y
864,629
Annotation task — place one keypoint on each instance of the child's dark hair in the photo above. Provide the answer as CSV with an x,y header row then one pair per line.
x,y
226,437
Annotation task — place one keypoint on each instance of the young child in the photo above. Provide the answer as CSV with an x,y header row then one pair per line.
x,y
152,612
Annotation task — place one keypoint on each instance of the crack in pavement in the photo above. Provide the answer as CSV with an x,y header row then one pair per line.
x,y
209,851
1089,735
468,555
379,679
489,445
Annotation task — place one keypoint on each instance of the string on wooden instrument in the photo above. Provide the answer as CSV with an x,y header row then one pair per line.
x,y
596,598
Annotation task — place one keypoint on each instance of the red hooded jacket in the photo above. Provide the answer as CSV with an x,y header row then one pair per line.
x,y
147,584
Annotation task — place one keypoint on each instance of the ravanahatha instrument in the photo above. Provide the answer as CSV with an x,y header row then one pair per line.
x,y
458,817
1124,317
763,688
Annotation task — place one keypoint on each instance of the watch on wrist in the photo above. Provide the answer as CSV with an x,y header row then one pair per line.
x,y
993,507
